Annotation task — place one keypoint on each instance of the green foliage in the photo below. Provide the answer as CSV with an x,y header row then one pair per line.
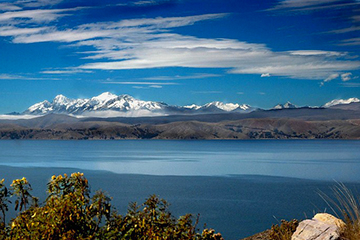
x,y
284,231
70,213
21,188
4,195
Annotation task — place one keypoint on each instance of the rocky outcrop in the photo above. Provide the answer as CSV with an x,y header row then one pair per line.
x,y
323,226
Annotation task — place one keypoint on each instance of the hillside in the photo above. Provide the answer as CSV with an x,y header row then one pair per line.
x,y
337,122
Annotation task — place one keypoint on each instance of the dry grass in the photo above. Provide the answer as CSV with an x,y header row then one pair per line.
x,y
348,205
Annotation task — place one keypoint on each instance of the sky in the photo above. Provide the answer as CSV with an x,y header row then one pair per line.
x,y
180,52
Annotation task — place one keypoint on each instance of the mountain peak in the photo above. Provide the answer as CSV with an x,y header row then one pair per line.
x,y
287,105
106,96
61,99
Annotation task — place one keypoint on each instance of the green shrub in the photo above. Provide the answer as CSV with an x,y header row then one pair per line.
x,y
284,231
70,213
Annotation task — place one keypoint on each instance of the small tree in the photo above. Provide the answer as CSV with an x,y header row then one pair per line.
x,y
21,188
4,195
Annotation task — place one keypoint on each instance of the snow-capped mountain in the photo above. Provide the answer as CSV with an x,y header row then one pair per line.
x,y
341,101
192,107
104,102
108,104
287,105
227,107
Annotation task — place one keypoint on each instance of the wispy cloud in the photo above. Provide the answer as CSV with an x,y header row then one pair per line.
x,y
141,83
177,77
25,78
350,85
38,3
206,92
345,30
332,77
350,42
348,10
8,7
66,71
311,5
35,16
151,43
346,77
147,87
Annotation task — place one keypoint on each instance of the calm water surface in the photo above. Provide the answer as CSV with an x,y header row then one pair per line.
x,y
309,159
194,175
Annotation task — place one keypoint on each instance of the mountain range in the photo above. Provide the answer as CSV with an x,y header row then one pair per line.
x,y
109,116
108,104
111,105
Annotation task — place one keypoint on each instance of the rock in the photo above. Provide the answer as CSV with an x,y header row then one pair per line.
x,y
322,227
330,219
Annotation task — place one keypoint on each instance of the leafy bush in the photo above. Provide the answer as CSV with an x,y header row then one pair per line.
x,y
70,213
284,231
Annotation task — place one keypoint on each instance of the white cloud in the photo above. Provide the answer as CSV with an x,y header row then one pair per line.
x,y
346,76
311,5
147,87
19,77
316,53
38,3
265,75
150,43
350,42
66,71
345,30
177,77
135,113
331,77
14,31
8,7
16,117
35,16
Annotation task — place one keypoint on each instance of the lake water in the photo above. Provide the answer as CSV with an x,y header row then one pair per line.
x,y
238,187
320,160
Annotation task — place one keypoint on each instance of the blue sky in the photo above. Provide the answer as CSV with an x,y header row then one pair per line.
x,y
180,51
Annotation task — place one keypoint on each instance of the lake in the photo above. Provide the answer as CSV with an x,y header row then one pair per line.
x,y
238,187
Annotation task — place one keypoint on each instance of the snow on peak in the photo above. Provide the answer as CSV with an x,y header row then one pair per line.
x,y
104,97
193,107
108,102
287,105
228,107
341,101
61,100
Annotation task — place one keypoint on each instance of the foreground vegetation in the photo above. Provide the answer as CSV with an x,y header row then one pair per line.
x,y
344,204
69,212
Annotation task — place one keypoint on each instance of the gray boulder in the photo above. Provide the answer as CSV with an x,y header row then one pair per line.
x,y
322,227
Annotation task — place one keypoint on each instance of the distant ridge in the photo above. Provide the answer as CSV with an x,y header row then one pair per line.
x,y
110,105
